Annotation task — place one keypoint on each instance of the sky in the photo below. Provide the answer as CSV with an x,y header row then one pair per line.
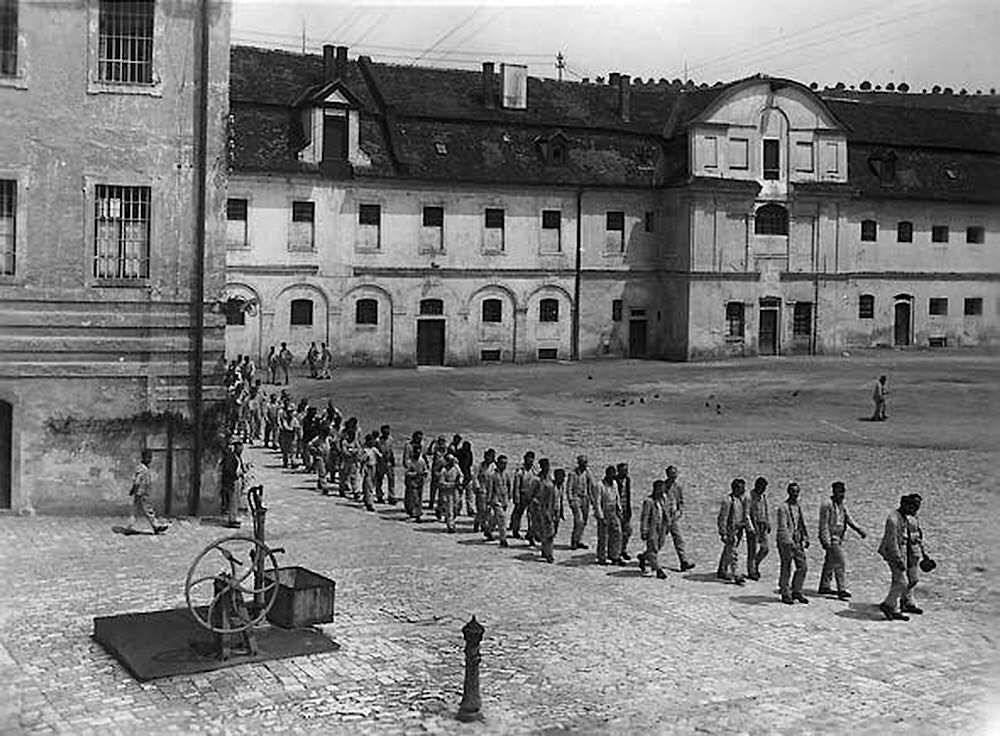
x,y
951,43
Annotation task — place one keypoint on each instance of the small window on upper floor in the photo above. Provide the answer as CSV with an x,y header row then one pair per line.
x,y
614,240
739,153
236,223
492,310
235,311
432,230
938,306
369,227
8,226
904,232
121,232
366,312
548,310
8,38
616,310
493,223
557,152
735,321
804,159
975,234
433,217
866,306
973,307
771,219
869,231
431,307
301,233
301,314
125,41
334,136
551,236
710,152
772,158
939,233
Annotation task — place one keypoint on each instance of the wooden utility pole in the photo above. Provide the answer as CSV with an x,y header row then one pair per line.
x,y
560,64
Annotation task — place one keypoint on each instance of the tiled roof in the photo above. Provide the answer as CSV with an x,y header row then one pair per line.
x,y
926,174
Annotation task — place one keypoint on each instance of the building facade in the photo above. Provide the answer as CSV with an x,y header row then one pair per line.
x,y
407,215
99,113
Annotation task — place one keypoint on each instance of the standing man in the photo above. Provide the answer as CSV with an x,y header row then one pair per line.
x,y
673,498
559,480
286,436
793,540
894,549
654,522
879,394
733,520
414,475
272,366
833,523
271,413
319,449
914,553
625,491
312,358
387,465
325,361
233,470
480,485
448,482
581,490
142,485
545,510
522,491
284,361
760,517
608,512
499,493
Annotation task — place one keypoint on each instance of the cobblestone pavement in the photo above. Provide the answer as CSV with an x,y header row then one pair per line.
x,y
570,647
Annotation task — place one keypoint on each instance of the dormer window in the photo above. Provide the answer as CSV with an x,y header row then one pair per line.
x,y
329,120
334,135
557,152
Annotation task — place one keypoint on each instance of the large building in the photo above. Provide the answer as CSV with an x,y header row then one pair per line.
x,y
417,215
99,152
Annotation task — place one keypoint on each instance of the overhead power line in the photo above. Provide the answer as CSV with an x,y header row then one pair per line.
x,y
448,34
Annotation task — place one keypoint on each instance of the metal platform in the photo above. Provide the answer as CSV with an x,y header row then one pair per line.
x,y
158,644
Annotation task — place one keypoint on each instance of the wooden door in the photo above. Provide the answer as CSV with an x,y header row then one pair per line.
x,y
901,331
430,342
767,340
6,443
637,338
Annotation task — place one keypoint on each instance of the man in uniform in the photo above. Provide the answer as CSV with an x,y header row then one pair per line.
x,y
654,522
523,487
387,465
480,485
760,517
833,523
559,480
879,394
608,511
673,497
581,491
272,366
312,359
894,549
325,361
499,494
545,510
448,481
414,475
733,520
792,538
142,483
625,491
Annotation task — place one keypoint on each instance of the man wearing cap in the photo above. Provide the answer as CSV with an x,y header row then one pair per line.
x,y
879,394
793,539
654,522
414,475
757,547
499,492
833,524
732,521
673,499
608,512
523,489
448,481
481,483
894,549
545,510
581,492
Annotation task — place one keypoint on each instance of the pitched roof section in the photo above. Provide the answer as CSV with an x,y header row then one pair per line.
x,y
927,174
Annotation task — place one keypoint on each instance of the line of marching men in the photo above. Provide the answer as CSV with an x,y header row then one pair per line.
x,y
500,498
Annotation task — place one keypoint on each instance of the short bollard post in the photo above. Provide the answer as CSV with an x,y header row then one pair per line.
x,y
469,710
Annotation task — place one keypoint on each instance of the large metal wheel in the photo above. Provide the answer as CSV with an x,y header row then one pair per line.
x,y
232,561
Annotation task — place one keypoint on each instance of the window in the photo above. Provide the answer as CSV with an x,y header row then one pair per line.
x,y
904,232
973,307
334,137
866,306
615,232
121,232
804,156
739,153
302,313
975,234
734,321
431,307
869,231
557,152
8,38
710,152
650,222
235,310
8,226
548,353
236,223
432,230
938,306
939,234
616,310
772,159
125,41
366,312
492,310
489,356
548,310
433,216
802,319
494,222
301,236
369,227
831,156
551,231
771,219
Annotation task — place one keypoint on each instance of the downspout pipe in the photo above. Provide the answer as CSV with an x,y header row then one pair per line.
x,y
198,291
575,336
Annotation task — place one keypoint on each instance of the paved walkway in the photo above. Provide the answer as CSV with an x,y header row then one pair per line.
x,y
570,647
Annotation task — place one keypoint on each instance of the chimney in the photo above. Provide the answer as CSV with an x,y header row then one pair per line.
x,y
489,92
341,62
329,64
613,78
624,98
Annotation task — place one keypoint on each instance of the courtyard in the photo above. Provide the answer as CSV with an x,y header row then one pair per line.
x,y
570,647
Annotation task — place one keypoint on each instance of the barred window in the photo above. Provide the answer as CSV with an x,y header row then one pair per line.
x,y
975,234
939,233
431,307
548,310
125,45
235,310
302,233
8,38
433,216
616,310
492,310
869,231
771,219
734,320
938,306
301,313
8,226
366,312
904,232
802,318
494,218
236,223
866,306
121,232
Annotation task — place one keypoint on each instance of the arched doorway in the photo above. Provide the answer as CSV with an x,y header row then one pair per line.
x,y
6,453
903,320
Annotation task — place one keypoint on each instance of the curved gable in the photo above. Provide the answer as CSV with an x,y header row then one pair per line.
x,y
742,103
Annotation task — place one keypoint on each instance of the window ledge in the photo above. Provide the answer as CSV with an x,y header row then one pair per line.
x,y
493,252
301,249
122,283
366,328
733,340
11,280
15,82
154,89
366,249
431,251
238,246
